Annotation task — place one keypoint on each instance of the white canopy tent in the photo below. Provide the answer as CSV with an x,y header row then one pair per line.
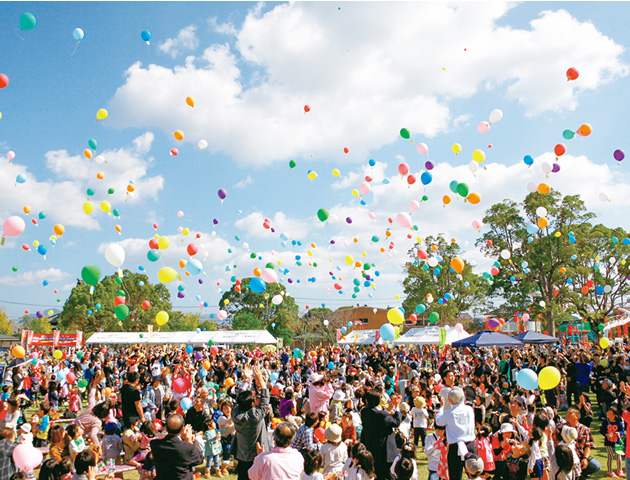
x,y
360,337
430,336
163,338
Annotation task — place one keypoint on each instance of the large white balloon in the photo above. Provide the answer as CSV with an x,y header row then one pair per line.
x,y
203,144
115,254
546,168
496,115
505,254
432,262
473,166
532,187
541,212
277,299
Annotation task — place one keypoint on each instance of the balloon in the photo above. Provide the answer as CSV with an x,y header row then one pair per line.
x,y
543,188
456,148
178,134
572,74
121,311
478,156
101,114
186,403
426,178
57,354
387,332
269,275
18,351
164,242
21,178
422,148
496,115
395,316
257,285
403,219
462,190
459,328
26,456
473,166
364,188
604,342
307,108
404,133
483,127
153,255
322,214
548,378
146,304
41,249
403,168
434,317
277,299
420,309
527,379
145,35
414,205
28,21
222,193
4,81
115,254
167,275
71,377
560,149
13,226
411,179
78,34
194,267
222,315
585,130
474,198
446,199
190,101
457,264
88,207
319,434
106,206
90,274
161,318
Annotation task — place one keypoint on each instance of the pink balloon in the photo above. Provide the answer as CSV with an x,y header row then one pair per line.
x,y
222,315
403,219
364,188
476,224
483,127
71,377
10,155
414,205
269,275
179,385
371,215
525,317
27,457
403,168
13,226
422,148
459,328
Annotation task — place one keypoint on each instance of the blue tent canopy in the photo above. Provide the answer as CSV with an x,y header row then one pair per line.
x,y
488,338
535,337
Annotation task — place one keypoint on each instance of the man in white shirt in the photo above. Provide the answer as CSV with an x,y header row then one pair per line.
x,y
460,431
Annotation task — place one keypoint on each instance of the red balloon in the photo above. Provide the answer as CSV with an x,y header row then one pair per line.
x,y
345,150
4,80
560,150
153,244
237,288
155,225
368,178
489,243
174,152
70,378
338,286
192,249
146,304
413,317
214,350
179,385
119,300
411,179
319,434
403,168
572,74
307,109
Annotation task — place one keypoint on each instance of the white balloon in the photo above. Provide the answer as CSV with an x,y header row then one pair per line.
x,y
203,144
496,115
115,254
532,187
473,166
607,289
542,303
332,218
505,254
277,299
546,168
325,323
603,197
99,159
612,260
541,212
246,245
432,262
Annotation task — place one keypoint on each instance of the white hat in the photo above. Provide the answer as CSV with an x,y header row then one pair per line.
x,y
315,377
474,465
569,434
339,396
26,427
404,407
507,428
333,433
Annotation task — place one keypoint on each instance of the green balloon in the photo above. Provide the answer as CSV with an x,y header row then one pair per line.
x,y
356,281
252,255
404,133
93,144
27,21
91,274
15,269
366,266
462,190
121,293
375,238
121,311
322,214
153,255
600,327
83,383
434,317
424,198
453,186
568,134
292,164
90,192
110,191
116,212
118,280
270,265
80,355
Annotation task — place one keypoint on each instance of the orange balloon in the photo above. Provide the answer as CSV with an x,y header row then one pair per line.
x,y
457,264
100,175
59,229
87,153
446,199
544,188
257,272
182,263
542,222
585,130
474,198
229,382
117,228
190,101
563,270
206,365
356,240
27,209
382,250
584,290
131,187
357,264
107,391
434,247
388,233
178,134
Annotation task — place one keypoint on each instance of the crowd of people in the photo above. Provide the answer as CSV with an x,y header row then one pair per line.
x,y
356,412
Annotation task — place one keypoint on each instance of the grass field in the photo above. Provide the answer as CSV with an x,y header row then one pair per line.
x,y
599,453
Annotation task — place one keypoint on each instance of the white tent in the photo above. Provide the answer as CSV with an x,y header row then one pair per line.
x,y
163,338
360,337
430,336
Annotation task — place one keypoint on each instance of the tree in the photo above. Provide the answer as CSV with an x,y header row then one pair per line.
x,y
247,321
99,300
452,292
316,326
36,324
6,327
182,322
208,325
277,319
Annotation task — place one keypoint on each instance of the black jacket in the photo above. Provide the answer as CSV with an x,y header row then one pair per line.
x,y
175,458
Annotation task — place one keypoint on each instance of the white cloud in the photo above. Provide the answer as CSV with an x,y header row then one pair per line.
x,y
226,28
252,224
186,40
365,70
246,182
34,277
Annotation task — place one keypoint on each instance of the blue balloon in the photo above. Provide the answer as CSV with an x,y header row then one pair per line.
x,y
45,282
98,306
257,285
194,267
331,366
189,349
572,240
273,378
528,159
569,281
527,379
146,36
21,178
426,178
78,34
371,163
599,290
387,332
186,403
42,250
89,312
344,329
386,181
531,229
60,376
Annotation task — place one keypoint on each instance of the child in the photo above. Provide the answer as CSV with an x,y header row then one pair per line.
x,y
349,431
77,443
569,436
361,466
147,468
420,419
131,441
74,403
613,431
83,464
408,450
334,452
437,451
146,434
213,448
405,469
535,464
405,423
502,444
484,449
25,435
517,462
312,463
111,443
41,425
474,466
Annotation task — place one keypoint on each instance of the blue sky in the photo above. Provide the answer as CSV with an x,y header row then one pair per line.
x,y
365,69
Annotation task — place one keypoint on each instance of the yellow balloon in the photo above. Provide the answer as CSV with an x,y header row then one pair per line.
x,y
88,207
161,318
58,354
226,301
397,297
355,193
36,243
185,231
53,238
336,172
102,114
312,175
164,242
548,378
395,316
167,275
309,253
604,342
0,114
456,148
106,206
478,156
349,260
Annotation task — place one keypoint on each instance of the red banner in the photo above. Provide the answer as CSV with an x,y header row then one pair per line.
x,y
338,333
48,339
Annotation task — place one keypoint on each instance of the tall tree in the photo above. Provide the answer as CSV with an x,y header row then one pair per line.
x,y
316,326
436,287
36,324
6,326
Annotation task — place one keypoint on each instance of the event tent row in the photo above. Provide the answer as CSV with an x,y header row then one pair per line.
x,y
189,338
414,336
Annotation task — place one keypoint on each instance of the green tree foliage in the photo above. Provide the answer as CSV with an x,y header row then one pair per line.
x,y
181,322
136,289
247,321
37,325
6,327
310,329
277,319
467,290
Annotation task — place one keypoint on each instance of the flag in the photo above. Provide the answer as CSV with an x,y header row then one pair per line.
x,y
56,335
442,338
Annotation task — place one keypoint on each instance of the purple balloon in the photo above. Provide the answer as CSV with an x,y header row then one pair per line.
x,y
429,165
619,155
216,220
40,314
348,220
198,355
493,323
222,193
181,294
290,281
200,281
555,168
